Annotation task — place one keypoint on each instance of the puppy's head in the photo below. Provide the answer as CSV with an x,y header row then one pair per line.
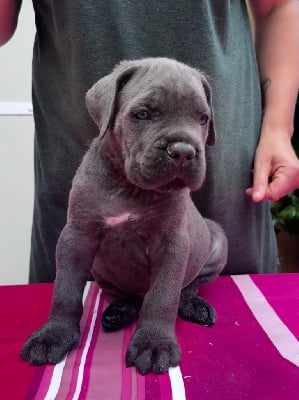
x,y
160,116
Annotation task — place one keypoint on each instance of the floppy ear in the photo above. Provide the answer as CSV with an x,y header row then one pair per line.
x,y
102,97
212,133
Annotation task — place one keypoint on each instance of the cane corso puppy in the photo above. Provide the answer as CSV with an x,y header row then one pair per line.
x,y
131,221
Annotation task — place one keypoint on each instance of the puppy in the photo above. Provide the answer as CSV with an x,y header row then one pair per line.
x,y
131,221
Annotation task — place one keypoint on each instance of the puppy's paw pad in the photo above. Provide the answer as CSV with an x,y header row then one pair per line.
x,y
197,310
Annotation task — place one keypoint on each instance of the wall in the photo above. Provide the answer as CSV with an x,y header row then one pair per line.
x,y
16,151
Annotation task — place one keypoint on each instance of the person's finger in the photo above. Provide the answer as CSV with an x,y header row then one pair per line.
x,y
261,175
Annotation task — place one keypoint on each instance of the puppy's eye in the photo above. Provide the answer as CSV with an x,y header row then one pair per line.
x,y
143,115
203,119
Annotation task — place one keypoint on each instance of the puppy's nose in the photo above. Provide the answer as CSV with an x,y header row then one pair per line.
x,y
181,152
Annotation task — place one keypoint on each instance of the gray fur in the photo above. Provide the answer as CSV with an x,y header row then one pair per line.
x,y
131,221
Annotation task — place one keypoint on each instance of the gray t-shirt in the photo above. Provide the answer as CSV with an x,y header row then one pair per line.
x,y
80,41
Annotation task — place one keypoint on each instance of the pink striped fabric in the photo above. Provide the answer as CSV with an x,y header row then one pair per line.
x,y
240,357
282,293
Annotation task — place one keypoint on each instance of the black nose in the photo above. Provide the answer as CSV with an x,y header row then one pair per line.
x,y
181,152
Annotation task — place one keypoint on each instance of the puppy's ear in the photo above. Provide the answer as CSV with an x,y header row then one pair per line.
x,y
101,99
211,139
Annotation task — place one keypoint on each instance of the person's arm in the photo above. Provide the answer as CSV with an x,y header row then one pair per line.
x,y
9,12
277,48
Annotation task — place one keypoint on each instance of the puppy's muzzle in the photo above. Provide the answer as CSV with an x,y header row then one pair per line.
x,y
181,153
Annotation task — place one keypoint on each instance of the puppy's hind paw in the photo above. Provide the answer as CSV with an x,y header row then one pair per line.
x,y
197,310
121,313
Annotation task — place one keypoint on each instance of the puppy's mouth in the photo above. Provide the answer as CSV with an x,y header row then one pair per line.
x,y
175,184
165,181
160,172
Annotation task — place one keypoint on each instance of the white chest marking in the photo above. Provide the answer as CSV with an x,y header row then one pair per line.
x,y
119,219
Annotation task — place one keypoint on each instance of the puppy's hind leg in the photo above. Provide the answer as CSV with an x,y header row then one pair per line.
x,y
121,313
192,307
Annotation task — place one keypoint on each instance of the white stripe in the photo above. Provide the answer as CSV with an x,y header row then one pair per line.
x,y
279,334
58,369
86,347
85,293
55,380
177,384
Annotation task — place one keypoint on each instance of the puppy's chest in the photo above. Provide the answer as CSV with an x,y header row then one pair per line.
x,y
127,232
133,235
139,223
120,219
123,255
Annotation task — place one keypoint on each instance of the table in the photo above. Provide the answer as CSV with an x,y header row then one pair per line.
x,y
252,352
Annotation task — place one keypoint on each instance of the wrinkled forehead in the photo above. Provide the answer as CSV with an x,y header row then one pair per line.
x,y
161,88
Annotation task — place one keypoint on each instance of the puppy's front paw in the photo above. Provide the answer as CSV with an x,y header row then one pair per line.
x,y
50,343
152,351
197,310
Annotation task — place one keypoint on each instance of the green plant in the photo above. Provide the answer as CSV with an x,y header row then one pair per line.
x,y
285,213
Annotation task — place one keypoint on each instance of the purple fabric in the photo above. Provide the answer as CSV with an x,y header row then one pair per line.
x,y
234,359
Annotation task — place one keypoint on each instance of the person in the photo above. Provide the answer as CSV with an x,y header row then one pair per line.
x,y
79,42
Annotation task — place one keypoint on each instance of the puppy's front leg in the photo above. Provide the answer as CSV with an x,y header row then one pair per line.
x,y
76,250
154,346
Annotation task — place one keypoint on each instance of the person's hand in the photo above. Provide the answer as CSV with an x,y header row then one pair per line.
x,y
276,169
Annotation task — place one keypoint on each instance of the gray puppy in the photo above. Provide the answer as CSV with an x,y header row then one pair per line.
x,y
131,221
